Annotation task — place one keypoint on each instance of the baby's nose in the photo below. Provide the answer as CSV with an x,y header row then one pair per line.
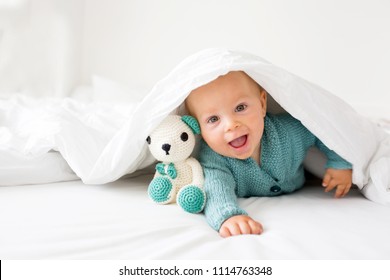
x,y
232,124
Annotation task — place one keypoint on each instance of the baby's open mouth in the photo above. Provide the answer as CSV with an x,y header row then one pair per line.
x,y
239,142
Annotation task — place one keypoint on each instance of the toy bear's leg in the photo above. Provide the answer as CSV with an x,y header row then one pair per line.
x,y
191,198
161,190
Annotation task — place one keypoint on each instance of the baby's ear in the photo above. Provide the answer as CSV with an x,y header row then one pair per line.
x,y
192,123
263,100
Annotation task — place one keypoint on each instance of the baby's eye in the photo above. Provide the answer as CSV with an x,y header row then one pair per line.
x,y
241,107
212,119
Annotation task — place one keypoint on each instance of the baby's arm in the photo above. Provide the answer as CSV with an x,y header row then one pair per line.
x,y
338,172
341,179
240,224
221,203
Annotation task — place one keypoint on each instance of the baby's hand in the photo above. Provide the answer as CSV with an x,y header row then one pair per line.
x,y
341,179
240,224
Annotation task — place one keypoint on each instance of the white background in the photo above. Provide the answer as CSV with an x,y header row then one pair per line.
x,y
52,47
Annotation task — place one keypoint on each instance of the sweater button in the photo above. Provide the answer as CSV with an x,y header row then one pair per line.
x,y
275,189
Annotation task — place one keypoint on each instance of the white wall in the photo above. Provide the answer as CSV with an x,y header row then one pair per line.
x,y
343,45
40,46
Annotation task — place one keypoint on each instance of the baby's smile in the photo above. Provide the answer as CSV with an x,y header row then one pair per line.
x,y
239,142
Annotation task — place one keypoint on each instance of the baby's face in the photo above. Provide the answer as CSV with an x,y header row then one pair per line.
x,y
230,111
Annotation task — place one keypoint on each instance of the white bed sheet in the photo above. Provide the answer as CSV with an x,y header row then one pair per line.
x,y
71,220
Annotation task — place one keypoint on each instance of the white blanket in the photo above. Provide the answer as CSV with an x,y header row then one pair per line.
x,y
101,154
71,220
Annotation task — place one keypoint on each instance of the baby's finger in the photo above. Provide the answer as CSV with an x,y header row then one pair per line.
x,y
224,232
245,228
331,185
339,191
256,228
326,179
346,190
234,229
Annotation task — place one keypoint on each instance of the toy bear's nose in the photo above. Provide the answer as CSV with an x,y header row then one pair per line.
x,y
166,148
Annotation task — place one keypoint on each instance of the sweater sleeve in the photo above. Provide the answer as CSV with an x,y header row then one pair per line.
x,y
309,139
221,202
334,160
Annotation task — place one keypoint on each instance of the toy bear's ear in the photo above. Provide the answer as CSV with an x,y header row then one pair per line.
x,y
192,123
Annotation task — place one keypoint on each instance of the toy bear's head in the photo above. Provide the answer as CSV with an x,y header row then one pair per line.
x,y
174,139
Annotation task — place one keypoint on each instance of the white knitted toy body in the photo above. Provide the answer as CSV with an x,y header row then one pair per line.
x,y
178,176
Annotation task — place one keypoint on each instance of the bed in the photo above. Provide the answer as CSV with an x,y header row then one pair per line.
x,y
78,188
72,220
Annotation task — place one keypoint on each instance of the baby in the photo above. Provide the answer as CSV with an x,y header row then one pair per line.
x,y
248,152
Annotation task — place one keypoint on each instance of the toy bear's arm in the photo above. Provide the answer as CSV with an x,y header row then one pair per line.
x,y
197,171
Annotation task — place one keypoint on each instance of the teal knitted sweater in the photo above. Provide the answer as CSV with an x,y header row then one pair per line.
x,y
284,146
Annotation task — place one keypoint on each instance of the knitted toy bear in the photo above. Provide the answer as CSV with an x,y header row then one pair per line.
x,y
178,176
